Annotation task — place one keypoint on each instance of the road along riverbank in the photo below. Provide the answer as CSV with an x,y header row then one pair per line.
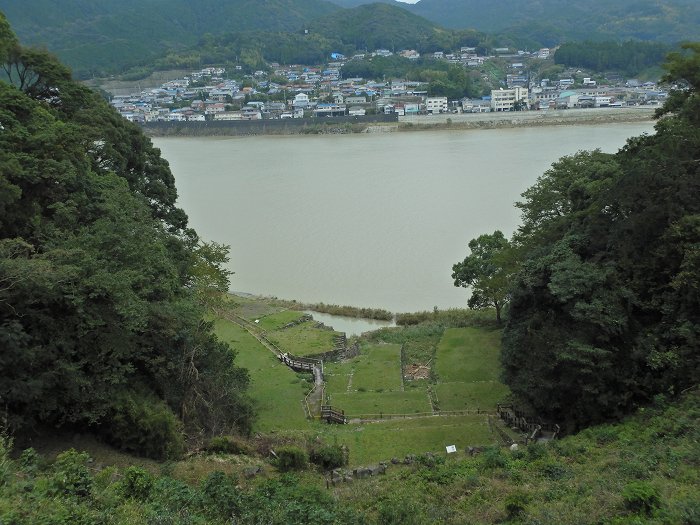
x,y
561,117
392,123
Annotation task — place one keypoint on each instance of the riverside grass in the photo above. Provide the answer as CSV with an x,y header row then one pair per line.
x,y
371,385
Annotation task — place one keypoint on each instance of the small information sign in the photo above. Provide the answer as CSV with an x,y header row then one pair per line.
x,y
451,449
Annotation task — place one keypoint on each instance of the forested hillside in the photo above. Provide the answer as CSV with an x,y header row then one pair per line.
x,y
670,21
103,287
364,28
605,306
629,57
96,38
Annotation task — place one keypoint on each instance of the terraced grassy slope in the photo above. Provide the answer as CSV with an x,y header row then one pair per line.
x,y
371,386
278,391
467,368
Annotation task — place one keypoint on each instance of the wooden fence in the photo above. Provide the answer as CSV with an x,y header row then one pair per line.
x,y
333,415
533,428
437,413
301,364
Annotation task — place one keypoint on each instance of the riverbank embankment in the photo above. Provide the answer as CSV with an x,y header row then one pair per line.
x,y
561,117
307,126
393,123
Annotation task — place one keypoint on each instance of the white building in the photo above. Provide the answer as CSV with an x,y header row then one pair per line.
x,y
505,99
301,100
435,105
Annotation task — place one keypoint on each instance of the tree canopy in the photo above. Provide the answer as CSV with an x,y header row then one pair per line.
x,y
605,308
101,281
487,271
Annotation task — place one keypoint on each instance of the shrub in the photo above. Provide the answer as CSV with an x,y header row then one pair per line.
x,y
291,458
516,503
329,457
220,495
689,511
29,461
605,434
493,458
640,496
136,484
71,476
5,461
172,495
227,445
536,451
430,460
555,470
145,425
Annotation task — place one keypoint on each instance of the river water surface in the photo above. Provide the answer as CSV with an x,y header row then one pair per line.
x,y
373,220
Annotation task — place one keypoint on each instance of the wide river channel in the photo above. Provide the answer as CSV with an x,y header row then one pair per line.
x,y
372,220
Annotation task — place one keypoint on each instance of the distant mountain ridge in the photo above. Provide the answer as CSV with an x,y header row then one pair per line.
x,y
379,25
659,20
88,32
101,37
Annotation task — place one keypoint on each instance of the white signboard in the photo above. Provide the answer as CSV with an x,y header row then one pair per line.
x,y
451,449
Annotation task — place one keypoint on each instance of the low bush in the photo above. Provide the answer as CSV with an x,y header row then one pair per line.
x,y
136,484
227,445
291,458
641,497
329,457
220,496
71,476
145,425
515,504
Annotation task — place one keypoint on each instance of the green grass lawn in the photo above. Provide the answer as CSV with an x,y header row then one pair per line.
x,y
303,339
468,354
366,403
277,320
373,442
467,368
470,396
252,308
337,379
278,392
378,367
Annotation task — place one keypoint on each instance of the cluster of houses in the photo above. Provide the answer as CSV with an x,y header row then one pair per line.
x,y
561,95
298,92
309,92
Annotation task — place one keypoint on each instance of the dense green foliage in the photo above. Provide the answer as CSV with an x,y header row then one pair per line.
x,y
354,31
644,470
375,26
628,57
487,270
108,37
102,286
96,38
550,22
604,310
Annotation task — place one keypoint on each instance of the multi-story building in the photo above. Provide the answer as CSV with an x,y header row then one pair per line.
x,y
505,99
435,105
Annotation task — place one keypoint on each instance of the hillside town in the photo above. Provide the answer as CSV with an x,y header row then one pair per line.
x,y
295,91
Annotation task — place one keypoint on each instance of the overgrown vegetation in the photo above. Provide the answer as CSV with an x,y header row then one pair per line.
x,y
103,288
606,271
644,470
